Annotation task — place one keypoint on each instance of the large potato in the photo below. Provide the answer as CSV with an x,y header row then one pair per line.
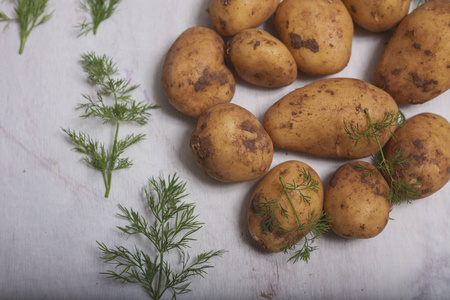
x,y
377,15
318,33
195,76
270,190
232,16
230,144
261,59
357,202
425,140
415,65
311,119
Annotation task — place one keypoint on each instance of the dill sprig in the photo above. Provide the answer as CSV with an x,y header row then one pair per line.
x,y
29,14
101,70
398,190
314,227
170,227
99,11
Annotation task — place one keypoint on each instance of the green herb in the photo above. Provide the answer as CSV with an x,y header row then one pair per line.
x,y
398,190
29,14
100,71
99,10
314,227
170,227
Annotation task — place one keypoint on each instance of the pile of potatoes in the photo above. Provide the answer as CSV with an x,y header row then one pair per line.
x,y
314,37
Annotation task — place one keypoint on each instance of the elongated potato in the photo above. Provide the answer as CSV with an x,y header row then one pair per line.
x,y
377,15
311,119
425,140
261,59
232,16
195,76
415,65
318,33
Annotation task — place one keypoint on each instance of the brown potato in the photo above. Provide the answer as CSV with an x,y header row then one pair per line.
x,y
311,119
318,33
357,202
425,139
232,16
231,145
377,15
415,65
270,189
261,59
195,76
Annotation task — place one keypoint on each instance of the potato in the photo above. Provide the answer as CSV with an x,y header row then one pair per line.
x,y
377,15
415,65
318,33
270,190
425,140
357,203
261,59
232,16
195,76
230,144
311,119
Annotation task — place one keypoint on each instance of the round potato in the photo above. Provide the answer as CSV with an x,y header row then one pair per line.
x,y
313,119
357,201
195,76
232,16
377,15
231,145
271,192
318,33
425,141
415,65
261,59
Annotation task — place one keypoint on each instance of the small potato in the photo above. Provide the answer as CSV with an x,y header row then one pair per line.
x,y
318,33
425,139
270,190
232,16
261,59
415,65
195,76
311,119
231,145
357,202
377,15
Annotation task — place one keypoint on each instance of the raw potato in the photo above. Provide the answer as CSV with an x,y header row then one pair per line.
x,y
270,189
357,203
377,15
415,65
426,139
195,76
232,16
230,144
311,119
261,59
318,33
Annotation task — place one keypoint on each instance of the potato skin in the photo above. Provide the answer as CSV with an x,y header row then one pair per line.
x,y
377,15
261,59
426,139
415,65
232,16
231,145
195,76
270,188
311,119
318,33
357,203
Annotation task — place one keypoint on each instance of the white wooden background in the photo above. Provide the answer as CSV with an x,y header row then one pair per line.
x,y
52,208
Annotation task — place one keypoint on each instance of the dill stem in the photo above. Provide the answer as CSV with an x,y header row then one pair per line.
x,y
290,201
112,162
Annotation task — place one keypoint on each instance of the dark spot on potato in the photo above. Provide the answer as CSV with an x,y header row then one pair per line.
x,y
291,125
203,147
334,181
329,92
395,72
342,206
418,144
417,46
203,126
359,108
347,235
297,42
363,226
353,8
287,24
257,43
226,2
250,144
420,83
223,24
420,157
248,126
419,178
208,78
294,113
425,191
427,52
448,170
331,45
